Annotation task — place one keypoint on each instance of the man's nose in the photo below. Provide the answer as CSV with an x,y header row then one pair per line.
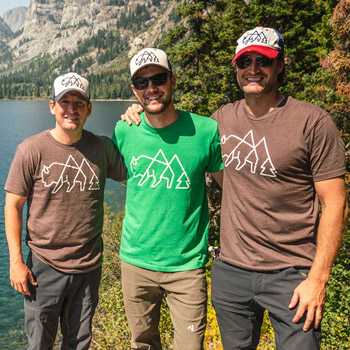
x,y
151,86
254,67
72,106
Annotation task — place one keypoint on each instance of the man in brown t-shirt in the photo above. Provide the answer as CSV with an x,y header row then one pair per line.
x,y
282,158
61,174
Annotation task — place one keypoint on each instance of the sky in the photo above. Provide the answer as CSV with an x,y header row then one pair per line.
x,y
10,4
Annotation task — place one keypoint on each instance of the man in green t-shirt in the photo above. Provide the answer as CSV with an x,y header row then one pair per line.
x,y
165,230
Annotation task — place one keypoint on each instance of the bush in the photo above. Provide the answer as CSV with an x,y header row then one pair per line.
x,y
336,322
110,326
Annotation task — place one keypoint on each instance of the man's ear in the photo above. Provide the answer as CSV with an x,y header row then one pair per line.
x,y
280,67
135,92
52,105
173,81
89,109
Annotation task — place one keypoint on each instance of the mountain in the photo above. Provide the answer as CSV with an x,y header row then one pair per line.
x,y
5,31
15,18
57,27
95,38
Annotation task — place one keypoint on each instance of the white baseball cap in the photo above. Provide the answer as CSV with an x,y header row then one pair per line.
x,y
70,82
266,41
147,57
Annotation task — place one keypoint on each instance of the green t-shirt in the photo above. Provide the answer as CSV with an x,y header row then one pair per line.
x,y
166,214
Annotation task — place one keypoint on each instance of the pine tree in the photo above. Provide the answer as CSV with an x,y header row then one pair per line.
x,y
201,48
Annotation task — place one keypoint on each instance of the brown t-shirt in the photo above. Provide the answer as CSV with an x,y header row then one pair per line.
x,y
65,189
269,213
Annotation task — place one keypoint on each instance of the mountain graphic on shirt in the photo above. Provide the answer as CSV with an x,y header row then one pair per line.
x,y
68,175
158,169
247,153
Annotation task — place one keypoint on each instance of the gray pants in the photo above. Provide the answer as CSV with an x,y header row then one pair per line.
x,y
72,298
240,298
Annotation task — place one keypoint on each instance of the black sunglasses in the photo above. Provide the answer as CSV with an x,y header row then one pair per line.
x,y
157,80
244,62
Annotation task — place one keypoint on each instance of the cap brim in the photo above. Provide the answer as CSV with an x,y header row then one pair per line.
x,y
264,50
59,96
147,65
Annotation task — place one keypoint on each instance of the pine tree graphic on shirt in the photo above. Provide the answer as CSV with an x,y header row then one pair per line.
x,y
156,170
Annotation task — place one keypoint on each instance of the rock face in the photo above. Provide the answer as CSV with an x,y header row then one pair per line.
x,y
56,26
15,18
5,32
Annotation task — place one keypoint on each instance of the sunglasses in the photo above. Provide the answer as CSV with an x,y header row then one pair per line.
x,y
244,62
157,80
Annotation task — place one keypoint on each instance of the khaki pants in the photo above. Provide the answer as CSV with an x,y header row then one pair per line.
x,y
186,296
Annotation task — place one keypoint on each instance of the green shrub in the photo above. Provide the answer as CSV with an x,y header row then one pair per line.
x,y
336,322
111,330
110,327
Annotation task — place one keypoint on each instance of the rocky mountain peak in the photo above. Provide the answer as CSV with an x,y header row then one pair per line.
x,y
57,26
15,18
5,31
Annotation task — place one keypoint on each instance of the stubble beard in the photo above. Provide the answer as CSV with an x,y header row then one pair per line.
x,y
164,105
159,110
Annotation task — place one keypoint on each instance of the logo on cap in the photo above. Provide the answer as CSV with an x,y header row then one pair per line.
x,y
73,81
266,41
255,37
146,57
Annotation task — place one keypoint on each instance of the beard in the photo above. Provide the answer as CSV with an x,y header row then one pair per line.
x,y
162,105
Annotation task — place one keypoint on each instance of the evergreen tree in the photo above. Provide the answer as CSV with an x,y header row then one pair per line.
x,y
305,29
201,48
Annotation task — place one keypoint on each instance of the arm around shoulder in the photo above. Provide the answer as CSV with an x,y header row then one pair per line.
x,y
131,115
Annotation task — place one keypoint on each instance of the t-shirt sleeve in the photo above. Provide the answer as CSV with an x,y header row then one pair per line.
x,y
215,115
327,150
21,175
114,136
116,168
215,159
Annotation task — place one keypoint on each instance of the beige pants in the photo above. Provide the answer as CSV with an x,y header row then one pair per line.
x,y
186,296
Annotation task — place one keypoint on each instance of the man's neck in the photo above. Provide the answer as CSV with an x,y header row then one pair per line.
x,y
259,105
161,120
65,138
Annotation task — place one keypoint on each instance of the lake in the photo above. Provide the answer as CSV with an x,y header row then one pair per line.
x,y
19,120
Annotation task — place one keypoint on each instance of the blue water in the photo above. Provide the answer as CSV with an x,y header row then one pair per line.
x,y
19,120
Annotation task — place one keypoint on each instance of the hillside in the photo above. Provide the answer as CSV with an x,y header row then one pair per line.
x,y
92,37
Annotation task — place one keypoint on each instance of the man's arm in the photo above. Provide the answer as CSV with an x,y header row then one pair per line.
x,y
19,272
131,115
310,294
218,177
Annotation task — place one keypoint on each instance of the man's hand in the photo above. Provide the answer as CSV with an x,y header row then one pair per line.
x,y
311,298
20,274
132,114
